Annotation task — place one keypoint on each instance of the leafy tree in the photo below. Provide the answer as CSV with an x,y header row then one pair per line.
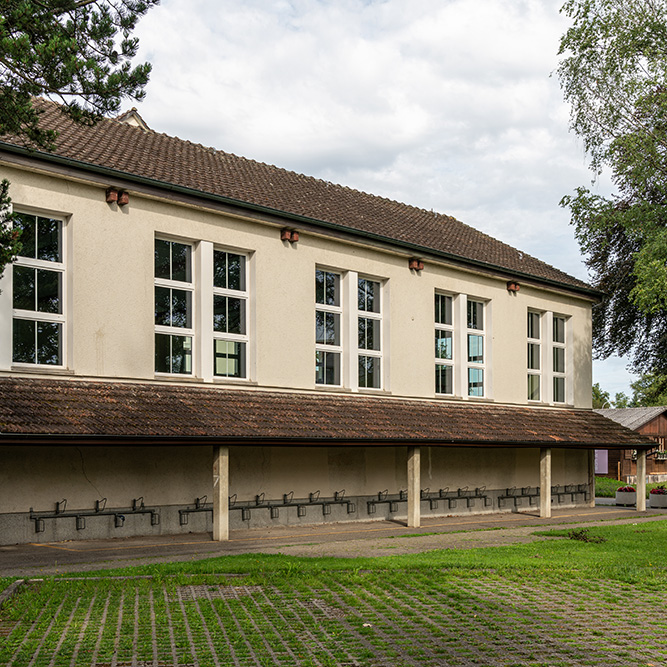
x,y
600,397
649,390
613,72
621,400
76,52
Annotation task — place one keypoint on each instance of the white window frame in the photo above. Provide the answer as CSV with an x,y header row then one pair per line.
x,y
183,286
558,345
538,372
243,295
482,333
370,315
328,348
34,315
451,328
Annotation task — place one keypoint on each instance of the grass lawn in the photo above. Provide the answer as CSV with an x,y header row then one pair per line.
x,y
605,487
557,601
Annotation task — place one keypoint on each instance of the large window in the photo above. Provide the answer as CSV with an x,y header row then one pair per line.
x,y
444,344
38,302
475,346
328,316
230,314
369,323
174,287
559,369
534,360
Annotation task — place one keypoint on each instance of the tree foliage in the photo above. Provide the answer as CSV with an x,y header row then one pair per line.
x,y
76,52
600,397
613,72
649,390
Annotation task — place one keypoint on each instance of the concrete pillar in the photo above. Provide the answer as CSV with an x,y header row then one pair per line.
x,y
414,487
591,477
545,482
220,494
641,480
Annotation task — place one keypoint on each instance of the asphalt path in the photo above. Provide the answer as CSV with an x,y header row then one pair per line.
x,y
371,538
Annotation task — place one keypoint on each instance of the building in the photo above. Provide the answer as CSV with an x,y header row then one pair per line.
x,y
622,463
192,340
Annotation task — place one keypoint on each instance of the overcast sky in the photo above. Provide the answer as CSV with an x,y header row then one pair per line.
x,y
444,104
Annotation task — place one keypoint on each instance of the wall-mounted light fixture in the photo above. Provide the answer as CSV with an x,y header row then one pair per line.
x,y
111,195
513,287
415,264
289,235
123,198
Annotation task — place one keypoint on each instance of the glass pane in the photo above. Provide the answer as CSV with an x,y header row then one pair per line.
x,y
24,288
534,325
533,387
220,269
220,318
369,372
235,272
475,382
26,223
229,358
368,295
443,344
332,329
559,360
369,334
162,353
559,390
475,315
180,262
162,259
48,291
48,239
181,308
533,356
332,281
476,348
181,354
319,286
48,343
444,379
443,309
236,316
24,343
559,330
327,368
162,307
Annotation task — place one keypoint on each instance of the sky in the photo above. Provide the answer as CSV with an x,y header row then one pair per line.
x,y
451,105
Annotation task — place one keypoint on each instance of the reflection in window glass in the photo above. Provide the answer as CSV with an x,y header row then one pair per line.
x,y
368,295
475,382
444,379
173,354
369,372
443,309
475,315
533,387
559,390
443,344
229,358
475,348
327,367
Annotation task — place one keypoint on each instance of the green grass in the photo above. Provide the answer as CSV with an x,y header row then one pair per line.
x,y
552,602
605,487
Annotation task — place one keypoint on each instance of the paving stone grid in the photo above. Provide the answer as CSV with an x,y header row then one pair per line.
x,y
340,618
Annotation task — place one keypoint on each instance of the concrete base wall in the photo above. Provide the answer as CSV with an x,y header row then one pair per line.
x,y
34,482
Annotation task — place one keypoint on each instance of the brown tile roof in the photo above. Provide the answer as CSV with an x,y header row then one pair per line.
x,y
114,145
97,411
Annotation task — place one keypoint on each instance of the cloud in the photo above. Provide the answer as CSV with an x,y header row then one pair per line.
x,y
444,104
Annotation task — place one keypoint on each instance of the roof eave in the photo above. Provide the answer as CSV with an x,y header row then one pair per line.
x,y
588,292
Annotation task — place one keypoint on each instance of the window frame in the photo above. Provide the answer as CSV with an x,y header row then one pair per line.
x,y
532,341
450,327
243,295
373,316
29,315
170,330
480,332
559,376
324,348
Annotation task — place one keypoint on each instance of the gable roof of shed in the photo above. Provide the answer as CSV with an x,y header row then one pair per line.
x,y
633,418
48,411
130,151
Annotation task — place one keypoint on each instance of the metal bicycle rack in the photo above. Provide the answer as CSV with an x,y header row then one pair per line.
x,y
274,506
464,493
517,494
80,516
